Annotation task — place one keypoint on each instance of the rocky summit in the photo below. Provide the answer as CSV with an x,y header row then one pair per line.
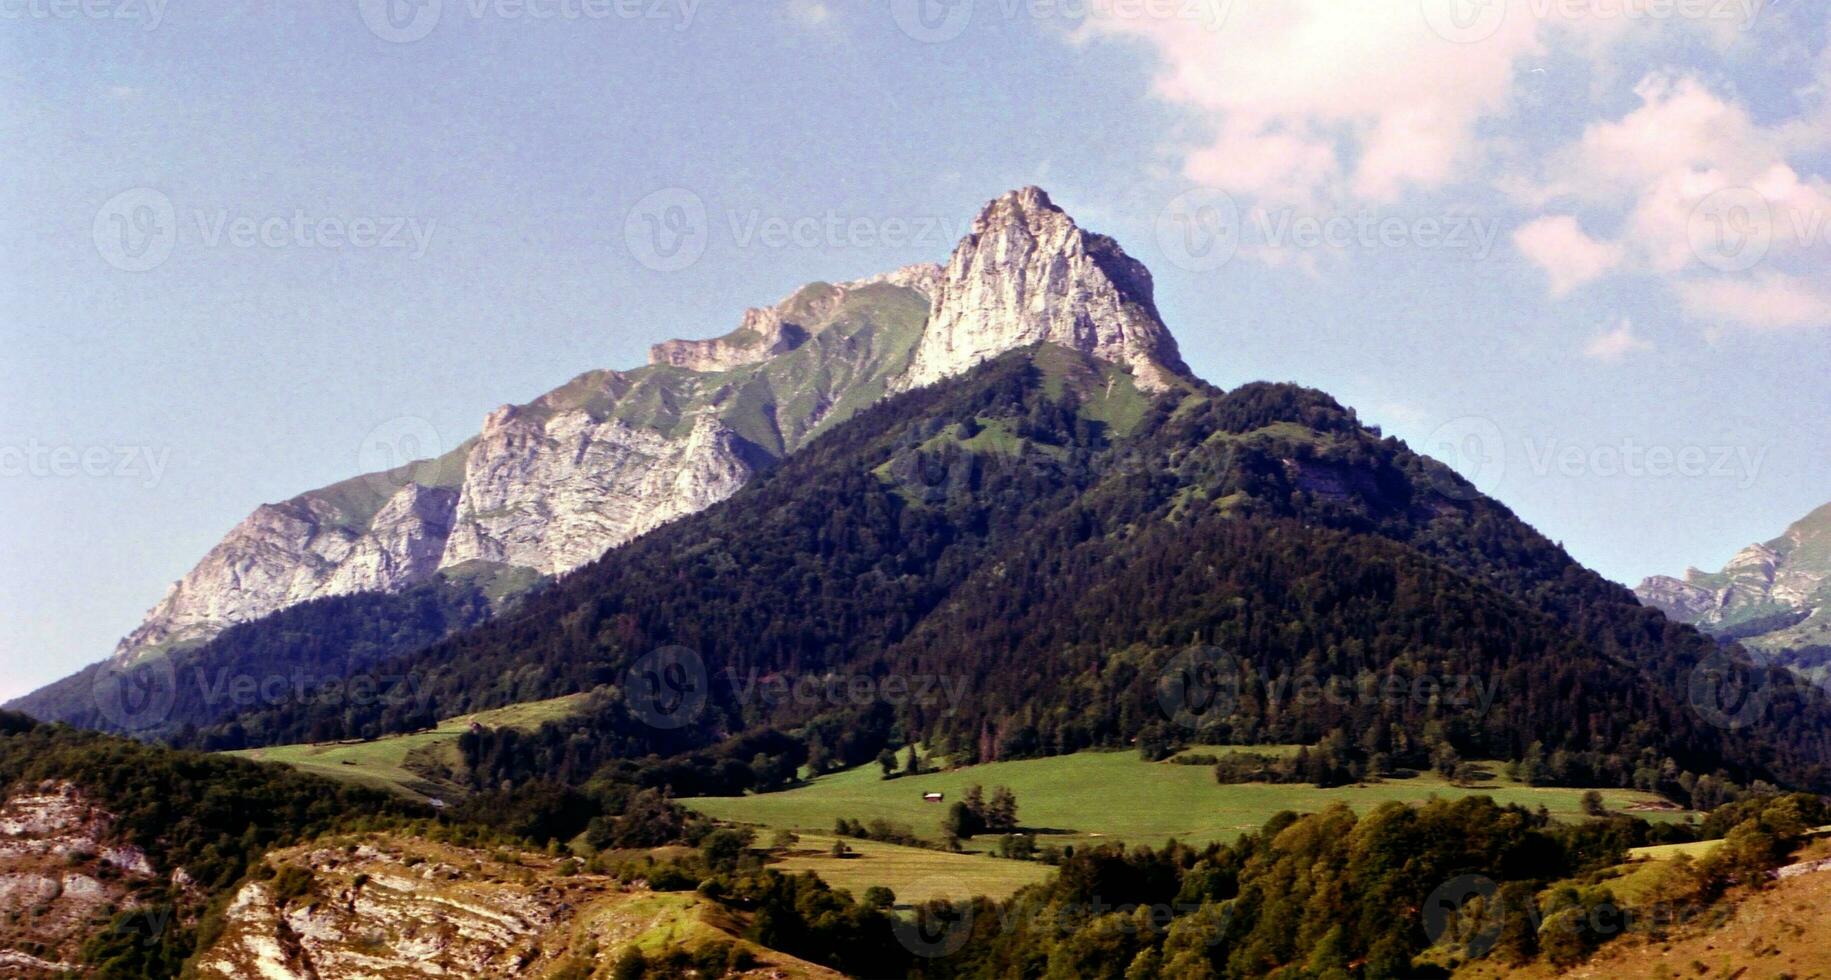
x,y
552,484
1028,274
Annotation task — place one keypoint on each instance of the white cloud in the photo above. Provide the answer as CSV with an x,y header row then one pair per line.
x,y
1569,256
1708,201
1770,300
1664,159
1613,345
1385,103
1315,98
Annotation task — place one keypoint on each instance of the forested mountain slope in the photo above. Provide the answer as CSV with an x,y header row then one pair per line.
x,y
1052,538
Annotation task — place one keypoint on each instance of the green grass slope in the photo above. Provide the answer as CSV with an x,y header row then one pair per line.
x,y
405,763
1094,797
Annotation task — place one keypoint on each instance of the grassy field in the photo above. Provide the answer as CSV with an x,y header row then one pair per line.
x,y
916,874
1114,796
1666,852
386,762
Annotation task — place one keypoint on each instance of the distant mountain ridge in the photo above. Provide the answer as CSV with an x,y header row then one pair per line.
x,y
1774,596
552,484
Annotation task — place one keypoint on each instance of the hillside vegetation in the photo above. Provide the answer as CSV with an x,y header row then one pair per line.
x,y
1033,538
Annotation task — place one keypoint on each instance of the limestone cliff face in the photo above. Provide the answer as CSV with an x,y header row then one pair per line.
x,y
63,875
554,483
287,553
1774,596
1027,273
554,493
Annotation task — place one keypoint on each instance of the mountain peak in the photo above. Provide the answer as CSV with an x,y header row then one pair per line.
x,y
1024,204
1027,273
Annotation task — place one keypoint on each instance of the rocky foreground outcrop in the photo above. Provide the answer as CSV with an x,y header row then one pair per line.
x,y
393,906
63,876
553,484
1773,596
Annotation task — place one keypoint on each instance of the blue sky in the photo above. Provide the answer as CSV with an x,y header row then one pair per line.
x,y
1580,247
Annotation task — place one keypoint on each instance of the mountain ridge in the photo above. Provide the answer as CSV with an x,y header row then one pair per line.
x,y
1774,596
1054,544
551,484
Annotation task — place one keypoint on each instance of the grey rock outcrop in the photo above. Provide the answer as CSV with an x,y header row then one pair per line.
x,y
1027,274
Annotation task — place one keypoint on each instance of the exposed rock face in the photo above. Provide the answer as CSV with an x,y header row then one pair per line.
x,y
305,548
552,494
1678,598
553,484
1773,596
1027,273
386,906
63,875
